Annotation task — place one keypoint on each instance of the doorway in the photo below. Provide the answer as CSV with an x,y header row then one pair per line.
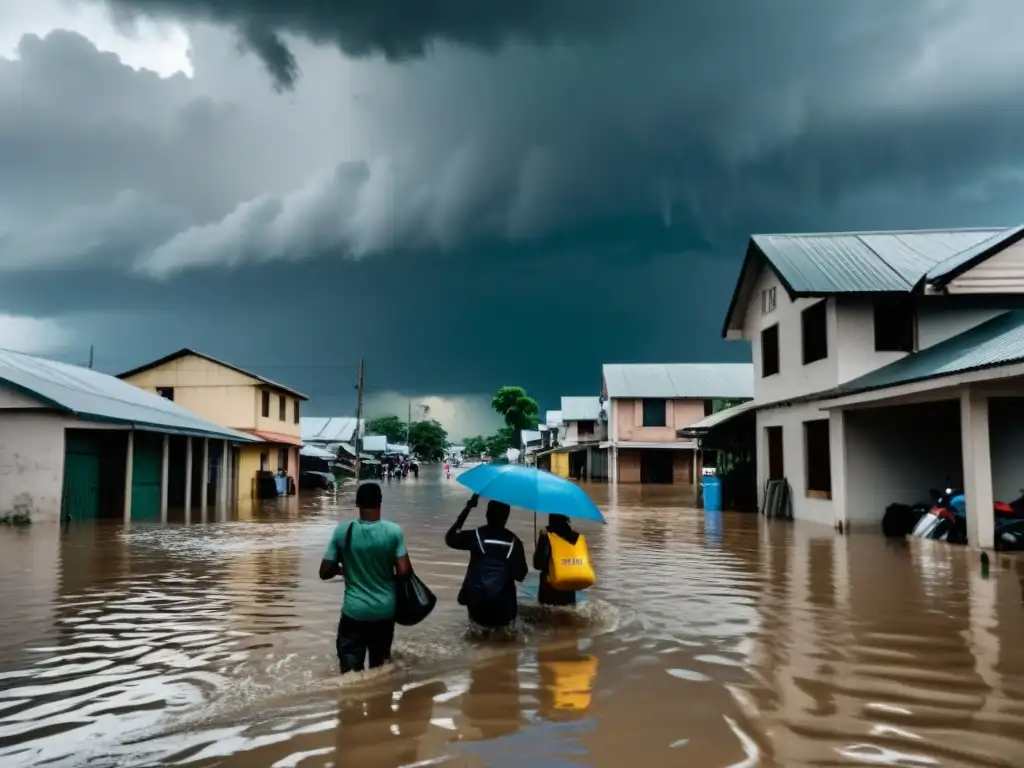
x,y
776,467
656,467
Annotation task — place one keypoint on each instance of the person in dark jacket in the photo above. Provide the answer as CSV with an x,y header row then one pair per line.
x,y
547,594
497,559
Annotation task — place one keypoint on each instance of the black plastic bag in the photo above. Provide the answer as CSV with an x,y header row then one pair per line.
x,y
413,600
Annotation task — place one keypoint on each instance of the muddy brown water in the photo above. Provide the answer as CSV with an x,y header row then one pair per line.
x,y
709,641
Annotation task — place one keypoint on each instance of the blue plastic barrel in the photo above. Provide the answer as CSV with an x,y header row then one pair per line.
x,y
712,493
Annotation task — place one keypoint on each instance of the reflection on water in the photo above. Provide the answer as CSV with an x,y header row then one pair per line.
x,y
710,640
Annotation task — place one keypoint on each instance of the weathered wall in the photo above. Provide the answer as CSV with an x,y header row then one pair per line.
x,y
629,466
629,420
31,463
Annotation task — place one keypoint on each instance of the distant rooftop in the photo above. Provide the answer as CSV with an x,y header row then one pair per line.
x,y
553,418
581,408
89,394
328,429
679,380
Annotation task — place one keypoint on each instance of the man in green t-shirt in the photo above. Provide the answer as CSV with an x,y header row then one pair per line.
x,y
370,552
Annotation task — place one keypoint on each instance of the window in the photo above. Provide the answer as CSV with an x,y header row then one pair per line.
x,y
265,461
265,410
819,459
654,412
166,392
895,327
770,351
709,407
813,322
282,459
282,408
584,429
768,300
776,468
296,411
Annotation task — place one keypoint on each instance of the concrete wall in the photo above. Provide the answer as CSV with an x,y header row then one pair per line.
x,y
1006,435
896,454
273,423
31,464
569,433
628,418
249,465
560,463
794,460
851,339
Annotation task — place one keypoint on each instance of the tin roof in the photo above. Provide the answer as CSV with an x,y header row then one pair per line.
x,y
375,443
90,394
826,264
872,262
186,352
1000,341
677,380
715,419
581,408
332,429
315,452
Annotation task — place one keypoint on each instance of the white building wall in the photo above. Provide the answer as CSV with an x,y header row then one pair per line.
x,y
935,324
31,463
794,460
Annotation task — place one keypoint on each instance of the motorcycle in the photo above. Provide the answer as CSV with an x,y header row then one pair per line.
x,y
947,520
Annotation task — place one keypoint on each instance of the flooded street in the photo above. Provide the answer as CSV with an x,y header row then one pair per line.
x,y
707,642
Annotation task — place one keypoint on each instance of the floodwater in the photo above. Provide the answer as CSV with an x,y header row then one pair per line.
x,y
709,641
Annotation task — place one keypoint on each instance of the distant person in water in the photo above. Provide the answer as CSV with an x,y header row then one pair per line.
x,y
370,552
558,525
497,560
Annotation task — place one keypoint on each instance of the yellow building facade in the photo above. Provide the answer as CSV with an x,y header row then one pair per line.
x,y
235,398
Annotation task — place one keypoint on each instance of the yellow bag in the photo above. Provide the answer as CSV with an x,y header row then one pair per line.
x,y
570,569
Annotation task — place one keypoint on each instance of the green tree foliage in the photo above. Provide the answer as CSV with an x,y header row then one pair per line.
x,y
476,446
501,441
519,410
428,440
389,425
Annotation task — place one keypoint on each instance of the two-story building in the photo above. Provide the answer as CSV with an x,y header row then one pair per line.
x,y
235,398
886,363
582,431
645,406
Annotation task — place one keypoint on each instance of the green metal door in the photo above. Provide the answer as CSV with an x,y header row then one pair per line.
x,y
147,464
80,499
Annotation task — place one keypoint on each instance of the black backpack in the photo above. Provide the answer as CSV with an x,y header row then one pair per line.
x,y
489,578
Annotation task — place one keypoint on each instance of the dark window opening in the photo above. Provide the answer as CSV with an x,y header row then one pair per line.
x,y
585,429
166,392
776,469
296,411
814,325
656,467
282,459
265,461
709,407
266,405
654,412
770,351
895,327
819,459
282,408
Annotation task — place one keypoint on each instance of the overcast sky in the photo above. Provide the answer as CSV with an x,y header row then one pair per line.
x,y
468,197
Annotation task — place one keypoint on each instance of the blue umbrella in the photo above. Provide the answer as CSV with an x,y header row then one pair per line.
x,y
533,489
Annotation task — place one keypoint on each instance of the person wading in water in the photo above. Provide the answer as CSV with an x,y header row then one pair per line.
x,y
497,559
558,525
370,552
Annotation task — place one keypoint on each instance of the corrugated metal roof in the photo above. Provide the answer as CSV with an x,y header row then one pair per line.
x,y
397,448
93,395
715,419
1000,341
334,429
553,418
874,262
375,443
581,408
698,380
313,452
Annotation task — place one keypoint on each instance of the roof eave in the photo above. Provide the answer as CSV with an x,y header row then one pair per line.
x,y
942,279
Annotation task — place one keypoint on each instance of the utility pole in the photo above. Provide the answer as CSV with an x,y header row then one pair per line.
x,y
92,349
359,422
408,429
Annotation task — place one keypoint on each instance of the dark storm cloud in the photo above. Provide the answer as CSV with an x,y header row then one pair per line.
x,y
396,29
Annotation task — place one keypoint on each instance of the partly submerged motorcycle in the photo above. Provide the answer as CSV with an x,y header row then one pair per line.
x,y
947,520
